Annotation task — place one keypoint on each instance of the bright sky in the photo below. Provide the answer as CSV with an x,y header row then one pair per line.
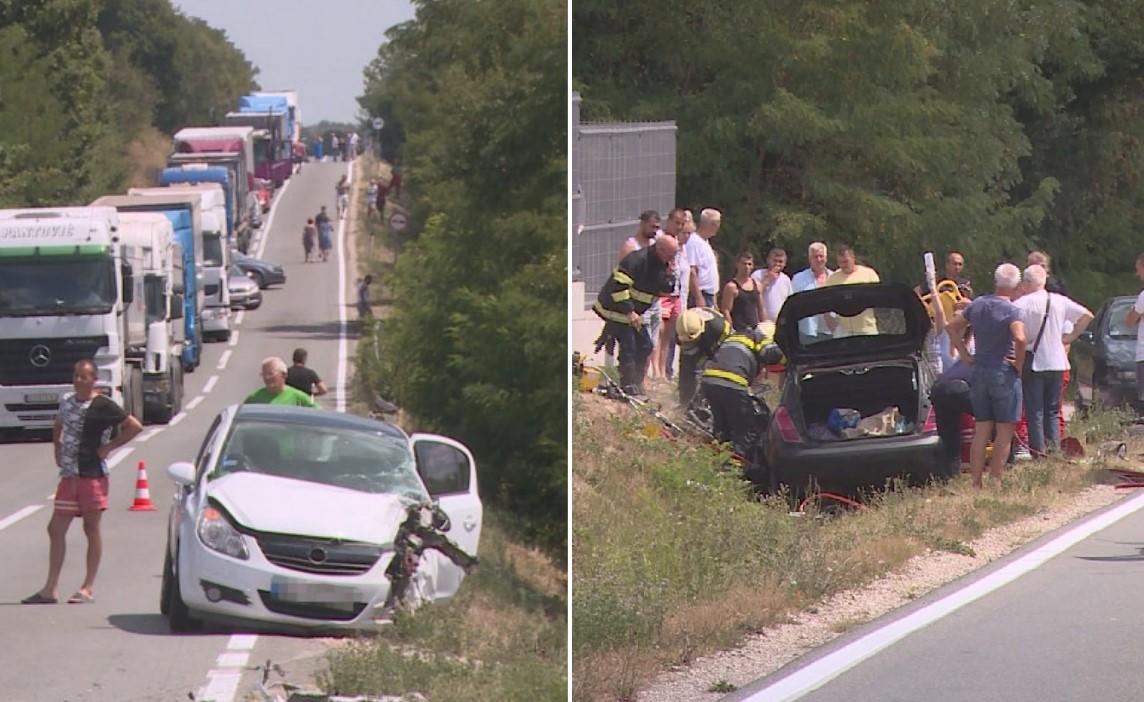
x,y
320,52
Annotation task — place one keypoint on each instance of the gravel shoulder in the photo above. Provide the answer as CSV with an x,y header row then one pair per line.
x,y
763,653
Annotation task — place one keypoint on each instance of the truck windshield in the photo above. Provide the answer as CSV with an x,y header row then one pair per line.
x,y
262,151
153,288
50,285
212,249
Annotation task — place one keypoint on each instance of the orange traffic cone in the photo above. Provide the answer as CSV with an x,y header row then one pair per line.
x,y
142,492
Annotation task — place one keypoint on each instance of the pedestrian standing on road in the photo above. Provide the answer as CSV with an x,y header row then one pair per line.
x,y
775,286
364,308
309,236
701,257
343,192
325,233
335,147
274,390
303,378
1045,315
997,363
81,438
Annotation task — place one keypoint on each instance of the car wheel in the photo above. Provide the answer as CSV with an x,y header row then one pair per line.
x,y
259,279
178,616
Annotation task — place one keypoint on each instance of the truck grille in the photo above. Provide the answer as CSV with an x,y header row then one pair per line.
x,y
322,556
44,361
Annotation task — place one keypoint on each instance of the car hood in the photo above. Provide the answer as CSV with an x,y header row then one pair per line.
x,y
241,283
284,506
848,300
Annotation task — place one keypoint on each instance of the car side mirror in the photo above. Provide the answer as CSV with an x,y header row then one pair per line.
x,y
182,472
128,283
1086,335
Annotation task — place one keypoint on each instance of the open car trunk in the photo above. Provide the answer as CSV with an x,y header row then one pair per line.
x,y
869,388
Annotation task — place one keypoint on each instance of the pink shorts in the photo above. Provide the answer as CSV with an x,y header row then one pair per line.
x,y
79,496
671,307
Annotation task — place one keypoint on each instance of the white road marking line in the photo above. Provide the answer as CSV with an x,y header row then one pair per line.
x,y
222,360
210,384
195,402
222,686
241,642
234,338
232,659
20,514
177,418
239,317
340,388
119,455
146,436
270,218
821,671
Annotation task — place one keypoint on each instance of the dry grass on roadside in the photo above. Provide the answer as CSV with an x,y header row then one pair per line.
x,y
674,559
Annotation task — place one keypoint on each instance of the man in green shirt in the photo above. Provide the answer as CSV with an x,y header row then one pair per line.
x,y
276,391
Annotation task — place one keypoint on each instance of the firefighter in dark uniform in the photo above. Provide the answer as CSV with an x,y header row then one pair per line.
x,y
726,383
641,278
699,332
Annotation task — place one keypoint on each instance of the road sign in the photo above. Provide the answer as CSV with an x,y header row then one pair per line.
x,y
398,222
378,122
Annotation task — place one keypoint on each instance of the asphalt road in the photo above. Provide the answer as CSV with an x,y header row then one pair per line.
x,y
119,647
1069,629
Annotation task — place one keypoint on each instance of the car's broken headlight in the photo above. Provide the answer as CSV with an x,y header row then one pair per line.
x,y
217,533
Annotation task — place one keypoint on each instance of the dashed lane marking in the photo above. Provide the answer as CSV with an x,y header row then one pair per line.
x,y
177,418
239,317
234,338
147,435
20,514
222,360
195,402
210,384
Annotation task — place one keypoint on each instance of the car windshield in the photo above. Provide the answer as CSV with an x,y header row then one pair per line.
x,y
51,285
348,458
1117,327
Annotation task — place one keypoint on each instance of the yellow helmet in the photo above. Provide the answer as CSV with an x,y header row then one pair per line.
x,y
689,326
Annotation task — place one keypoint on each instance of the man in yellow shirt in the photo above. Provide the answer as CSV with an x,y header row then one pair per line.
x,y
848,273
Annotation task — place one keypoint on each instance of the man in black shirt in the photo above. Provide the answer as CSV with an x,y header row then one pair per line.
x,y
303,378
82,438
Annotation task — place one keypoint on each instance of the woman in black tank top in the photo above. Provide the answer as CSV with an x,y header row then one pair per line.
x,y
742,300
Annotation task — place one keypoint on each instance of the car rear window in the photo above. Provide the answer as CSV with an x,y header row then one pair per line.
x,y
887,322
1117,327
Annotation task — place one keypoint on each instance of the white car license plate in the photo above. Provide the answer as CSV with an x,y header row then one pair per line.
x,y
42,397
300,591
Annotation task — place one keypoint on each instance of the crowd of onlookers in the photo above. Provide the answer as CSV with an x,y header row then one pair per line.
x,y
1001,357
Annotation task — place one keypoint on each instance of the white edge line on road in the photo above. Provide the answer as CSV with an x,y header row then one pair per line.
x,y
210,384
177,418
117,457
195,402
222,360
270,218
148,435
340,390
234,338
821,671
239,317
20,514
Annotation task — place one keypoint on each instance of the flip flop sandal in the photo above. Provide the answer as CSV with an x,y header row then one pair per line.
x,y
81,598
38,599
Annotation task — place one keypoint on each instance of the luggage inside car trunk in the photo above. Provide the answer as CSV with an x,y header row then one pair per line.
x,y
869,389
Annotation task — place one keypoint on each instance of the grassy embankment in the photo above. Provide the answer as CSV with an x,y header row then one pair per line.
x,y
503,637
674,559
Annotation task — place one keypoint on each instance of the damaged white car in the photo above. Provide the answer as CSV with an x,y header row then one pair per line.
x,y
309,518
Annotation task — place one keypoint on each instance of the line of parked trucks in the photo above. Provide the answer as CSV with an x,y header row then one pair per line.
x,y
138,282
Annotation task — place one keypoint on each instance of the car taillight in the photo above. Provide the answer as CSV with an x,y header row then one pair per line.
x,y
931,422
787,430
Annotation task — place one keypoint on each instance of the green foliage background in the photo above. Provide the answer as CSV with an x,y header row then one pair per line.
x,y
474,100
81,79
987,127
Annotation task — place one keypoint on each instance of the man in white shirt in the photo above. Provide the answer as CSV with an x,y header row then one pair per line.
x,y
701,256
1045,315
1135,318
774,283
812,329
